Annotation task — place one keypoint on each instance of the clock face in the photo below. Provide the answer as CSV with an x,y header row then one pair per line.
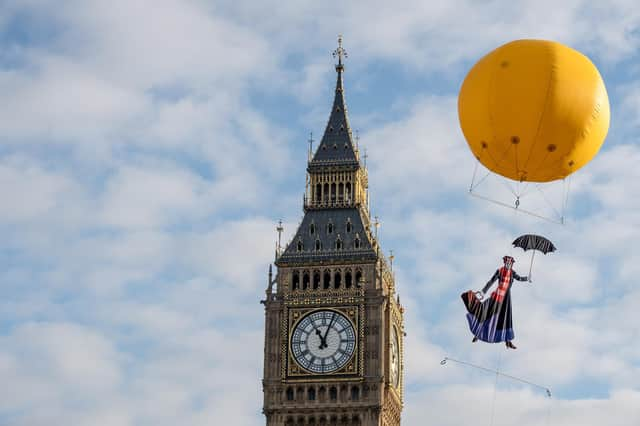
x,y
395,358
323,341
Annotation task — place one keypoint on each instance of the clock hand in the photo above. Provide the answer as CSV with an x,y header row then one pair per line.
x,y
324,339
319,334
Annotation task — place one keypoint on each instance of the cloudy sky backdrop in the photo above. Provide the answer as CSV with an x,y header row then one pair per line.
x,y
148,149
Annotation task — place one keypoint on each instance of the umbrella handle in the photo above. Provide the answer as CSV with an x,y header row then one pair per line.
x,y
531,265
479,295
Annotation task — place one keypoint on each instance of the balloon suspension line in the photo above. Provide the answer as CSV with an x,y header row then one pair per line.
x,y
477,181
473,179
489,370
566,186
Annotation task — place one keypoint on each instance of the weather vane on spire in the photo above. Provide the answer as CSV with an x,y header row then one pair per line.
x,y
340,52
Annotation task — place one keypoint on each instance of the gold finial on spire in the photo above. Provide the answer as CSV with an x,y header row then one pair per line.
x,y
340,53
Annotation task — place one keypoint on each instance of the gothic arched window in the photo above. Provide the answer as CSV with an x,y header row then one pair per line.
x,y
305,280
289,394
316,280
348,227
348,279
333,393
322,393
318,245
326,282
338,243
337,279
358,277
355,393
312,228
295,280
311,394
300,246
329,228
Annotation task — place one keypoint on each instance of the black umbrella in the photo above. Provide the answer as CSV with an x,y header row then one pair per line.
x,y
535,243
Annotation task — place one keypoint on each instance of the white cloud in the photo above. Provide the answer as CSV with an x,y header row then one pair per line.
x,y
139,198
56,363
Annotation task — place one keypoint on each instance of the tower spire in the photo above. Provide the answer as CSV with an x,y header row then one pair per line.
x,y
336,145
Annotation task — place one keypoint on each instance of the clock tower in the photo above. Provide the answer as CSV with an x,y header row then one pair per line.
x,y
333,351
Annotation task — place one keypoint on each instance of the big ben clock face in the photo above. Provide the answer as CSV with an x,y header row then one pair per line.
x,y
323,341
395,358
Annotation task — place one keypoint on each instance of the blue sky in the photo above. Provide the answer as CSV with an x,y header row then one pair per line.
x,y
148,149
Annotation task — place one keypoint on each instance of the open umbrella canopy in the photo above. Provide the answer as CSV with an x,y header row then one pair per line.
x,y
534,242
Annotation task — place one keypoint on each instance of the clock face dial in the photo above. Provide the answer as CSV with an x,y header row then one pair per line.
x,y
323,341
395,358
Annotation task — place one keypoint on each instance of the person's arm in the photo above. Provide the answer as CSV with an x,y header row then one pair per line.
x,y
519,278
491,281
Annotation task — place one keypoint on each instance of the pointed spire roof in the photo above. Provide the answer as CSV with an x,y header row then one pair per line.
x,y
336,146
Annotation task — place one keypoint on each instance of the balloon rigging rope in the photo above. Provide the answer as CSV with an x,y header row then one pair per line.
x,y
479,182
547,98
475,183
473,179
497,163
560,215
502,157
506,184
542,163
566,187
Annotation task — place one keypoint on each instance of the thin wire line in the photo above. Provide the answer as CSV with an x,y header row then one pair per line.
x,y
548,202
566,184
480,181
489,370
473,179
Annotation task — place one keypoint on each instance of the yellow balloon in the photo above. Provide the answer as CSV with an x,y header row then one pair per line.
x,y
534,110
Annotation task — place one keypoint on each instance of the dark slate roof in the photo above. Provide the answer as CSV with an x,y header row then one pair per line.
x,y
336,146
321,219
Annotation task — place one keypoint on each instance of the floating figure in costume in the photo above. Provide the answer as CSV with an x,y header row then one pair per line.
x,y
490,320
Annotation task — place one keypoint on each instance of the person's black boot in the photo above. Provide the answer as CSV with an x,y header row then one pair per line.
x,y
510,345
